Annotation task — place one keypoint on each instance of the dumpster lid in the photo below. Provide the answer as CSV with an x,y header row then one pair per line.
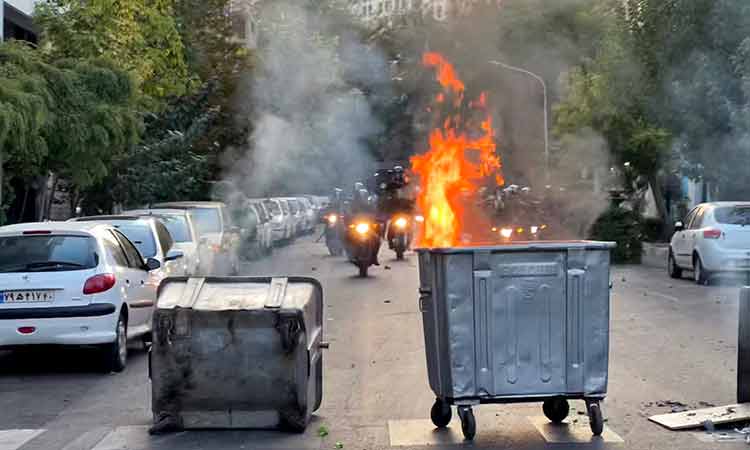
x,y
525,246
236,293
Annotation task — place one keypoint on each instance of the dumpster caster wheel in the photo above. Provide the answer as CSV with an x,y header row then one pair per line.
x,y
468,423
596,420
441,413
556,409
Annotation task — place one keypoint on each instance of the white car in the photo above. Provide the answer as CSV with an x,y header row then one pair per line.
x,y
218,236
296,213
152,239
74,283
311,216
265,227
182,228
280,219
714,238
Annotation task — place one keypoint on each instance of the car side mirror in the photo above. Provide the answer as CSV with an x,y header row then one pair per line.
x,y
152,264
173,255
679,226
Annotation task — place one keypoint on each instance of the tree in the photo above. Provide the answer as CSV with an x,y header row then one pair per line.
x,y
139,36
68,118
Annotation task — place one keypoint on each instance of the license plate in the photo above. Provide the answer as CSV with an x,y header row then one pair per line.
x,y
27,297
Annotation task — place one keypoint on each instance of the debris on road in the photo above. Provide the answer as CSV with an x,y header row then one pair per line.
x,y
387,267
386,301
706,417
323,431
339,444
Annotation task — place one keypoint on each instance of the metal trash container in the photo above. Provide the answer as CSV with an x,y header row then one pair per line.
x,y
516,323
236,352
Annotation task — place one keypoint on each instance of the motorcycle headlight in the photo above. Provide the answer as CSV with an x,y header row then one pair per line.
x,y
362,228
506,233
419,219
534,230
332,219
401,222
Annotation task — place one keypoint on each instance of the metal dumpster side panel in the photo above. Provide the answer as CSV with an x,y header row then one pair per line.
x,y
522,341
596,335
231,368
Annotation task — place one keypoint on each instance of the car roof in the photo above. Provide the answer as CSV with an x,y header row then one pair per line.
x,y
185,205
104,218
156,212
52,226
720,204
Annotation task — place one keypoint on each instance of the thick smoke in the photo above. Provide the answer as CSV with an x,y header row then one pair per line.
x,y
312,119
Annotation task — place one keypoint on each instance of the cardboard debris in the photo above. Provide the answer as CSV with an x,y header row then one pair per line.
x,y
696,418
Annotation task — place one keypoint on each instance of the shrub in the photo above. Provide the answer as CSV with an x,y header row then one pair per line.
x,y
624,227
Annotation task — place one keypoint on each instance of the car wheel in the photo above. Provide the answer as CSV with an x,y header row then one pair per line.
x,y
672,267
701,275
116,354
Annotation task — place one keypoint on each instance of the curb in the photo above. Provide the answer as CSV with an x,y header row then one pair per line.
x,y
655,255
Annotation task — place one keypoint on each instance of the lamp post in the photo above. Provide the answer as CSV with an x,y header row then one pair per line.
x,y
546,120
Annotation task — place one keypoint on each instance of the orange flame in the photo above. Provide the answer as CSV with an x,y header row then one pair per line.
x,y
461,156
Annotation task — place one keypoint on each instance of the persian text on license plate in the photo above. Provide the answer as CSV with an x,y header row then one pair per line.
x,y
27,297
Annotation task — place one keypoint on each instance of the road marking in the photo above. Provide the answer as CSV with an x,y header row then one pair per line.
x,y
413,433
572,433
13,439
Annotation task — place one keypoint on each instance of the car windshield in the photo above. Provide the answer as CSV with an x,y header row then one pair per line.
x,y
284,206
733,215
141,236
207,220
177,226
293,207
260,211
273,207
46,253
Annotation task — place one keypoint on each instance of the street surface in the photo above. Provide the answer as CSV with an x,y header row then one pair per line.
x,y
672,341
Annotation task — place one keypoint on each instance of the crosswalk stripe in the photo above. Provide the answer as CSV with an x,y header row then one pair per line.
x,y
13,439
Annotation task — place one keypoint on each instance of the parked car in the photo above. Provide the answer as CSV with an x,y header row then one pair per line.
x,y
297,216
311,215
245,216
713,238
265,227
73,283
219,237
280,219
183,230
152,239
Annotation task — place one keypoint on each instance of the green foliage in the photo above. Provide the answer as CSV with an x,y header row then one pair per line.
x,y
622,226
140,36
70,117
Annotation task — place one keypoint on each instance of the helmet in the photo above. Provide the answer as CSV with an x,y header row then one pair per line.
x,y
398,169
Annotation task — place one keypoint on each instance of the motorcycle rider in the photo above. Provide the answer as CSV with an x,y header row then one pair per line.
x,y
361,205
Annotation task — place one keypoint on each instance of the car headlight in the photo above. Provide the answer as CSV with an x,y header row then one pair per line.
x,y
401,222
506,233
332,219
534,230
419,218
362,228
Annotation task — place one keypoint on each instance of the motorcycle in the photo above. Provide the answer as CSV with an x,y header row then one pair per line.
x,y
362,243
400,234
333,234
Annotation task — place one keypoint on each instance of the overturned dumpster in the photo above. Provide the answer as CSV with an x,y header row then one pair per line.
x,y
522,322
236,352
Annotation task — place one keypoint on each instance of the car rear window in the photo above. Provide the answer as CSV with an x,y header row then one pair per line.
x,y
141,236
733,215
284,206
44,253
273,207
177,227
207,220
293,206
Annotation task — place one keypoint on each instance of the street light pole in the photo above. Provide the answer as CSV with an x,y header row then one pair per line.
x,y
546,120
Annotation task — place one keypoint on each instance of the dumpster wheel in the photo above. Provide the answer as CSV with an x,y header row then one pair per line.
x,y
556,409
596,420
468,423
441,413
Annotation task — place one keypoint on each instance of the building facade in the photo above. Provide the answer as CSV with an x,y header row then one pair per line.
x,y
15,17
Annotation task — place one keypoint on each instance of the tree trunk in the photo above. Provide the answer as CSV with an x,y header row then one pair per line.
x,y
661,203
51,197
23,203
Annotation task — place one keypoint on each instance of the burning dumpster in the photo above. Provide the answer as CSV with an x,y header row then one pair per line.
x,y
236,352
516,323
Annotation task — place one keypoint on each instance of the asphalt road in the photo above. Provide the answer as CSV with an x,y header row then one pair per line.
x,y
671,341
